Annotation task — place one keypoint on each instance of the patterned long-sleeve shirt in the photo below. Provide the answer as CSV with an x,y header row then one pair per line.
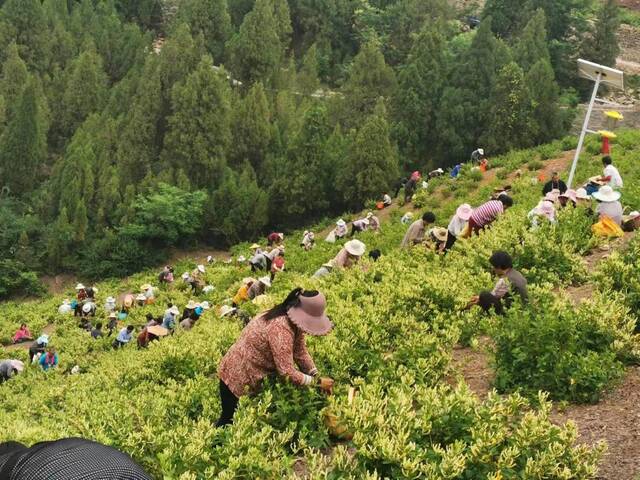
x,y
487,213
266,347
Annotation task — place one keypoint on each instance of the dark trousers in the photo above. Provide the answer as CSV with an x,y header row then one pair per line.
x,y
451,241
229,405
355,230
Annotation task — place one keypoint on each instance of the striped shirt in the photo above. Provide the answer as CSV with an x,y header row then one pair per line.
x,y
487,213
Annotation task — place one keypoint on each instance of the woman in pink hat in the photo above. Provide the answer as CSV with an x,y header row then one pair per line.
x,y
274,342
458,224
566,197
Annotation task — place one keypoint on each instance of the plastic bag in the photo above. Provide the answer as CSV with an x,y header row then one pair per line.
x,y
607,228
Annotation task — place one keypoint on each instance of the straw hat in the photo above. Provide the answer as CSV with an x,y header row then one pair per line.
x,y
355,248
581,194
86,308
607,194
265,281
110,300
370,214
145,287
328,265
241,259
481,151
174,310
201,268
205,305
341,223
95,289
440,234
80,287
281,235
185,276
632,216
254,246
309,315
227,310
248,280
113,315
158,331
464,212
191,305
141,298
209,258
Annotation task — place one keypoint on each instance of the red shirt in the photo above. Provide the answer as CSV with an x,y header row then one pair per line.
x,y
277,265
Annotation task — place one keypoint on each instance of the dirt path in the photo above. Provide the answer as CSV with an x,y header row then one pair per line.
x,y
472,364
48,330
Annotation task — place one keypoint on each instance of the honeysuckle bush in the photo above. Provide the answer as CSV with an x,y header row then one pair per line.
x,y
574,352
396,322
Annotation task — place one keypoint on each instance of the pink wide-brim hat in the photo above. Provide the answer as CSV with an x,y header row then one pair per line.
x,y
464,212
310,317
571,195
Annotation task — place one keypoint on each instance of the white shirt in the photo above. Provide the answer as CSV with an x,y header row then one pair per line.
x,y
616,179
64,309
613,210
456,226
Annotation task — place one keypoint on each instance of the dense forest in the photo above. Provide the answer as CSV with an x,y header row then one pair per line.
x,y
130,126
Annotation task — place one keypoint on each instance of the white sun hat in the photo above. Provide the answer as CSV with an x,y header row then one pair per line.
x,y
355,248
265,281
86,308
174,310
201,268
205,305
582,194
607,194
227,310
80,287
341,223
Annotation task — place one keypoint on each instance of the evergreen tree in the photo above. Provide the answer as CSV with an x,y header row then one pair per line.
x,y
80,222
369,79
307,78
24,22
86,89
14,76
238,209
59,239
416,104
251,127
282,16
23,144
255,52
544,91
531,46
199,129
512,125
211,19
180,55
140,137
372,164
298,192
602,44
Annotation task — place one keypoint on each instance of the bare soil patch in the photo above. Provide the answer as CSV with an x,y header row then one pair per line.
x,y
472,364
615,419
630,4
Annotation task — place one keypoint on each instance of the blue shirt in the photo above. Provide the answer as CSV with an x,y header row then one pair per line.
x,y
169,321
124,336
456,171
45,365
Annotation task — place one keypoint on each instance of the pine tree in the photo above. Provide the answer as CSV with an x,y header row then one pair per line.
x,y
369,79
199,129
416,104
14,76
23,144
180,55
531,46
512,125
544,91
238,208
282,16
307,78
80,222
372,164
211,19
251,127
255,52
298,192
27,26
140,136
602,44
59,239
507,16
86,89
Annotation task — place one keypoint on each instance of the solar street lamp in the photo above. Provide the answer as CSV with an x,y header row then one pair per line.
x,y
601,75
